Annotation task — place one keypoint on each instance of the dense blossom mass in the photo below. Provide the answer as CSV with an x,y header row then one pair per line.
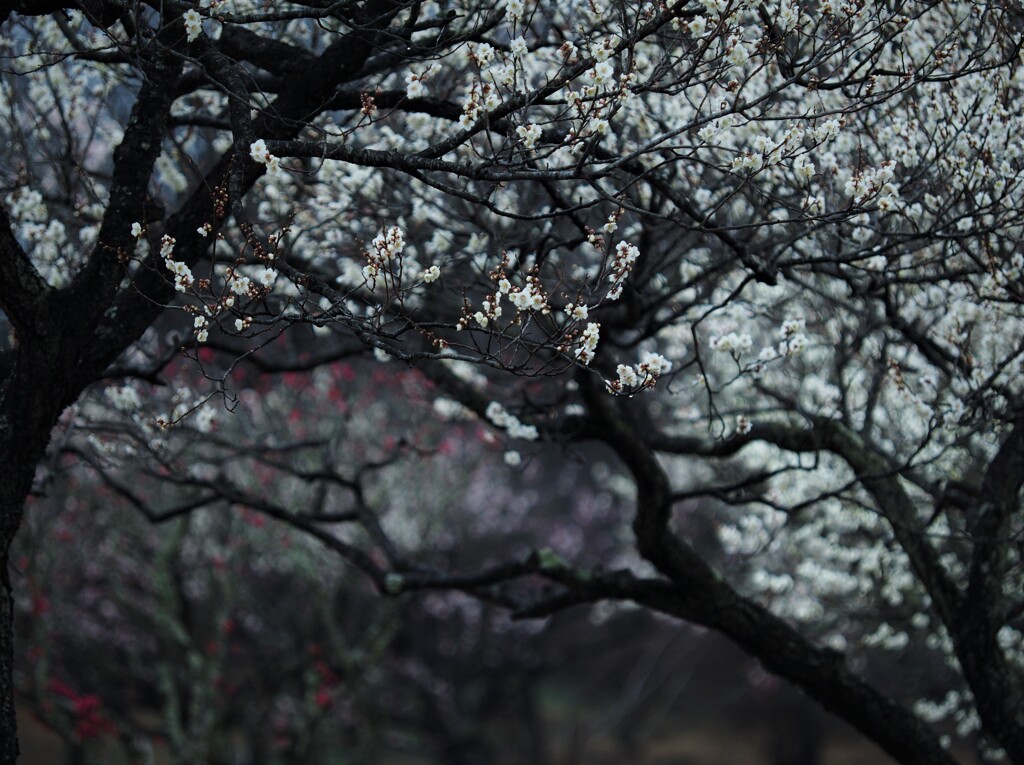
x,y
767,253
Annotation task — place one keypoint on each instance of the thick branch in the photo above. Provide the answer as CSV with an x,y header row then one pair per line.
x,y
134,158
272,56
701,595
22,289
996,684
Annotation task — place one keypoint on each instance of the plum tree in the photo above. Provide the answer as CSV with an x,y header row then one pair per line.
x,y
766,254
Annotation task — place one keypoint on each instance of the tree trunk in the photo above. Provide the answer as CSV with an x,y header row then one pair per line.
x,y
29,408
13,491
8,720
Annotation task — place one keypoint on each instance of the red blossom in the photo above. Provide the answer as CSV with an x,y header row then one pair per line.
x,y
337,398
89,721
85,705
62,689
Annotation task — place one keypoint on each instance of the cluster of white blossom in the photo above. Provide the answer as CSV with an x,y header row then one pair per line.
x,y
626,256
383,259
416,82
125,398
588,343
529,298
794,341
259,153
644,375
735,343
502,418
193,24
530,135
48,238
183,279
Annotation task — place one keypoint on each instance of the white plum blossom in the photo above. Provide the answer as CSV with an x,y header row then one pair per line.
x,y
734,342
259,153
792,327
577,312
183,279
125,398
804,169
502,418
603,49
202,328
167,243
415,86
827,130
383,254
529,134
738,55
205,418
193,24
268,277
628,377
794,341
529,298
626,256
483,53
654,364
793,345
644,375
601,74
239,284
697,26
389,244
588,343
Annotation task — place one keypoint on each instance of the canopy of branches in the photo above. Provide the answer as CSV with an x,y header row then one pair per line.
x,y
753,269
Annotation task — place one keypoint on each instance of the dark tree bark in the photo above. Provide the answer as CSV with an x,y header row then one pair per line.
x,y
28,410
